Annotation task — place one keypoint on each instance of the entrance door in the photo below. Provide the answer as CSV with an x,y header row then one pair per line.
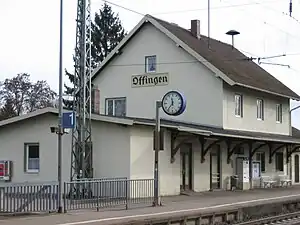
x,y
186,168
215,168
296,168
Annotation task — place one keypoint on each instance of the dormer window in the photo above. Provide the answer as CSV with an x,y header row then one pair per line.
x,y
150,64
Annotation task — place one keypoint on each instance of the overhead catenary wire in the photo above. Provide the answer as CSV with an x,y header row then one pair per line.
x,y
216,8
206,61
289,15
211,8
190,10
123,7
248,58
272,25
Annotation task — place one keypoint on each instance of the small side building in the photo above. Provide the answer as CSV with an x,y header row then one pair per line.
x,y
120,149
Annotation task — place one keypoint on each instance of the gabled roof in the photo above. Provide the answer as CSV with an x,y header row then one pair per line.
x,y
226,62
50,110
170,124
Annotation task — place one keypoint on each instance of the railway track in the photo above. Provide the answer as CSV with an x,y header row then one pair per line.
x,y
286,219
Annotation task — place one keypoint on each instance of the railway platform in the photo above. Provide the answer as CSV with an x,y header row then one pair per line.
x,y
172,206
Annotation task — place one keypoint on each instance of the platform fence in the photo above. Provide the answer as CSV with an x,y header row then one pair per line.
x,y
95,193
28,197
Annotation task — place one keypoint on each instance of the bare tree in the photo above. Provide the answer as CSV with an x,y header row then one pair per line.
x,y
7,111
19,95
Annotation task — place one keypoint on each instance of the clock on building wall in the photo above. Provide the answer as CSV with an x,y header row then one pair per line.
x,y
173,103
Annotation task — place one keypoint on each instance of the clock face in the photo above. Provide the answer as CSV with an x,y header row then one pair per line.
x,y
172,103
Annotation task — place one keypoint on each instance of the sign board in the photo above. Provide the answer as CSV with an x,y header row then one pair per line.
x,y
68,120
255,170
245,171
148,80
5,170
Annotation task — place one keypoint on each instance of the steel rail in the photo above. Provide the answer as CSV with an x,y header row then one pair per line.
x,y
272,219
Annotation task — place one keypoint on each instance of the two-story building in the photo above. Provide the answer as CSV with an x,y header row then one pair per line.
x,y
237,119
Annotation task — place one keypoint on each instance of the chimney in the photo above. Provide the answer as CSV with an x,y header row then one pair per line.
x,y
195,28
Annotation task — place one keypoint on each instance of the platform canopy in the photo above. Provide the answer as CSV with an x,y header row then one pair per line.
x,y
209,136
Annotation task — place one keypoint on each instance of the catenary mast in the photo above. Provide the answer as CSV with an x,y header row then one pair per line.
x,y
81,158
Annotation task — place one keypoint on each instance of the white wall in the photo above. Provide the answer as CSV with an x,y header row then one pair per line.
x,y
35,130
201,88
142,160
249,121
110,150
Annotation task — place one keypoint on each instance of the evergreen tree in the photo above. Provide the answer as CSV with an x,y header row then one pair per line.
x,y
107,32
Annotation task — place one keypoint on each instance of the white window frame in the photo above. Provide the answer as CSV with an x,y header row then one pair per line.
x,y
260,109
278,113
147,64
238,100
27,170
114,108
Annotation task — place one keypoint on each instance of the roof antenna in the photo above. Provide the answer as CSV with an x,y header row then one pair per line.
x,y
232,33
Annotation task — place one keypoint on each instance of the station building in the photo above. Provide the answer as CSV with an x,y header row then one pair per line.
x,y
237,120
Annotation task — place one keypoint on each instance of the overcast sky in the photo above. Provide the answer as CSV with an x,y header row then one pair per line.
x,y
29,40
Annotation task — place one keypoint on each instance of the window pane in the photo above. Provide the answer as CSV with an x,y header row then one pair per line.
x,y
279,161
260,156
33,164
33,161
278,112
33,151
238,105
259,109
151,63
110,108
120,107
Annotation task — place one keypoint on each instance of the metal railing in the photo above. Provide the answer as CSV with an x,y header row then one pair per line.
x,y
79,194
107,193
28,197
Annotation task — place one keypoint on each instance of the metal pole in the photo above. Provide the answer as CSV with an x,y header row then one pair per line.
x,y
208,23
291,7
157,148
60,109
